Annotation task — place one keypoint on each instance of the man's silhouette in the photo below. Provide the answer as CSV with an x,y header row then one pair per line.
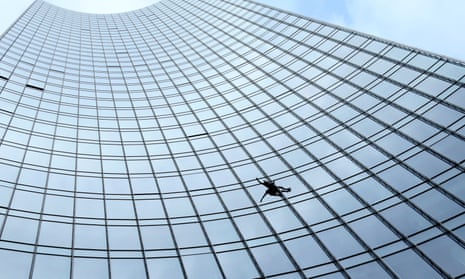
x,y
272,189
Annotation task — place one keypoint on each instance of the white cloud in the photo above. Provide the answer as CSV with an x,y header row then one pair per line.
x,y
432,25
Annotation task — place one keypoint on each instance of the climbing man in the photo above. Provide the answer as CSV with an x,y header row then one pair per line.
x,y
272,189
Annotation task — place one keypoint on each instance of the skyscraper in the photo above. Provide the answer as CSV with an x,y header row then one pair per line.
x,y
131,144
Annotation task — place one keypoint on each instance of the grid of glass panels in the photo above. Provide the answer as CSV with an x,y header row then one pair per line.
x,y
131,143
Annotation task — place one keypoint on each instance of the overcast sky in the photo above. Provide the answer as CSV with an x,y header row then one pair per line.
x,y
433,25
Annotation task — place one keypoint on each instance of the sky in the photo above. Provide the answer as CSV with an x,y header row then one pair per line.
x,y
433,25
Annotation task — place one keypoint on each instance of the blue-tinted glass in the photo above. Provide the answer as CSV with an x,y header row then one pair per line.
x,y
137,145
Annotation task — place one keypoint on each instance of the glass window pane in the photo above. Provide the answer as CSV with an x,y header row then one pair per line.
x,y
403,262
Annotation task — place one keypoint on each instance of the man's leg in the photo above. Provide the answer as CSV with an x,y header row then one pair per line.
x,y
263,196
283,189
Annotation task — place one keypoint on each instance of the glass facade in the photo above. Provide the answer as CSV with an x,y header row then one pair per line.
x,y
131,143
